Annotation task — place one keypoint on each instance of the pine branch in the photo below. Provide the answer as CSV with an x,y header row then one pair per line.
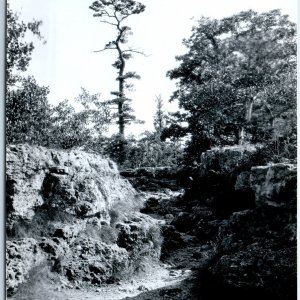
x,y
110,23
134,51
108,48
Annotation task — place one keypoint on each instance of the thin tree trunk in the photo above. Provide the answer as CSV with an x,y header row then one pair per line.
x,y
121,120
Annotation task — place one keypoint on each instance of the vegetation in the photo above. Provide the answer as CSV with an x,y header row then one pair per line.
x,y
70,128
114,13
29,116
236,85
237,82
151,149
26,101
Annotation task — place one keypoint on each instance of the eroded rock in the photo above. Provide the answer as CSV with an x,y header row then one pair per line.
x,y
63,208
273,184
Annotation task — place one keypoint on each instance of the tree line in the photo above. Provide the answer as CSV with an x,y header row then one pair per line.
x,y
236,84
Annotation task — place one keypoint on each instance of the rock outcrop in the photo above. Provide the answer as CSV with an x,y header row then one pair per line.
x,y
152,179
243,220
74,211
257,247
248,213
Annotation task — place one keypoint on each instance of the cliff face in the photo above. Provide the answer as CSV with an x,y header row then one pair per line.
x,y
76,182
73,211
256,248
248,214
242,217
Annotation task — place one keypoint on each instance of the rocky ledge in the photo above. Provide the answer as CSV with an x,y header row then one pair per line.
x,y
241,222
72,211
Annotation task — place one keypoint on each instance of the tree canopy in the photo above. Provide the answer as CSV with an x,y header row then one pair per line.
x,y
27,107
29,116
70,128
237,78
18,50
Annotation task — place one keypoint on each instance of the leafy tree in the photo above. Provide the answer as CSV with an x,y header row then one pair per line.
x,y
114,13
29,116
27,113
82,128
27,107
150,151
18,51
237,78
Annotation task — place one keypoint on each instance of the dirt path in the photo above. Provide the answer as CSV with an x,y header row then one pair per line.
x,y
160,276
175,271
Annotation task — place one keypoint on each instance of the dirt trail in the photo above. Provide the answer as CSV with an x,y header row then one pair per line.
x,y
168,275
160,276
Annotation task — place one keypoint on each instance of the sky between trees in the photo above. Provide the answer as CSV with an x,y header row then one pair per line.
x,y
67,61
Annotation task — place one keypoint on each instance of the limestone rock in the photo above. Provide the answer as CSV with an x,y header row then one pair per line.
x,y
74,182
273,184
227,160
63,208
21,256
152,179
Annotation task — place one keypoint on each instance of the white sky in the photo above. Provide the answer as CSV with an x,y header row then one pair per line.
x,y
67,61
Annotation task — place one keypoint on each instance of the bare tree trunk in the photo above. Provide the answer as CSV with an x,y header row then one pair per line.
x,y
249,111
241,136
248,117
121,120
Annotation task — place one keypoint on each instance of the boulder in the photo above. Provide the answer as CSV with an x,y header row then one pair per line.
x,y
152,179
75,182
273,184
21,256
256,248
228,160
248,213
256,255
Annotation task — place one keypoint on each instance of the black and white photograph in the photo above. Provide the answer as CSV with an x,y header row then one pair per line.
x,y
150,150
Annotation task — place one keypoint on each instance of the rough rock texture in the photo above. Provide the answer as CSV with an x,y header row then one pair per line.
x,y
70,209
248,213
152,179
274,184
235,223
212,183
20,260
227,160
257,247
74,182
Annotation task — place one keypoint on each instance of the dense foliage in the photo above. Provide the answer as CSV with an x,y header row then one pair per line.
x,y
27,107
29,116
18,50
237,82
149,150
70,128
27,113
